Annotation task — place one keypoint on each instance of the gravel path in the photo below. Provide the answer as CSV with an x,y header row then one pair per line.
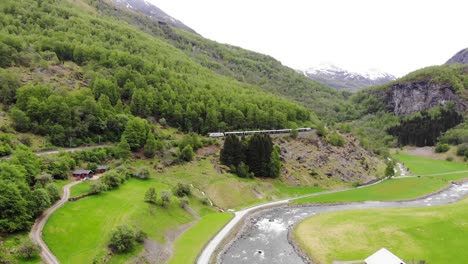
x,y
36,231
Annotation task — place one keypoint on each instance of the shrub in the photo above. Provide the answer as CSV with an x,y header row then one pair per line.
x,y
187,153
122,239
53,192
97,187
462,150
28,250
165,198
336,139
142,173
294,133
151,195
182,190
112,179
140,236
243,171
442,147
449,159
183,202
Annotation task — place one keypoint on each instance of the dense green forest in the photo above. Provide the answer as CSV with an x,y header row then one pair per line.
x,y
120,72
243,65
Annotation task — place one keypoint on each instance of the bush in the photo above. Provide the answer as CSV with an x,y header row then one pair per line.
x,y
462,150
28,250
442,147
97,187
182,190
165,198
336,139
187,153
294,133
53,192
142,173
122,239
112,179
242,170
140,236
183,202
151,195
449,159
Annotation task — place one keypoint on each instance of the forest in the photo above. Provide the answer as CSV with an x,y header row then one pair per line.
x,y
117,72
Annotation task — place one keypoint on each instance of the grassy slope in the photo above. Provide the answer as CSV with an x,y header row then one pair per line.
x,y
79,231
11,242
190,244
424,166
405,188
434,234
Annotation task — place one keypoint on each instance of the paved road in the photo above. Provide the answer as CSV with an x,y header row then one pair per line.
x,y
36,231
265,239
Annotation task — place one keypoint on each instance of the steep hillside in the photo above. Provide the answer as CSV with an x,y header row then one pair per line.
x,y
147,8
417,109
74,74
234,62
460,57
338,78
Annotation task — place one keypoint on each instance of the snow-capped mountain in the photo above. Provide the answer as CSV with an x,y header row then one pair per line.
x,y
147,8
339,78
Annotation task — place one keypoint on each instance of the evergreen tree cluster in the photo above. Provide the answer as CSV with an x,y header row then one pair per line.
x,y
424,128
256,155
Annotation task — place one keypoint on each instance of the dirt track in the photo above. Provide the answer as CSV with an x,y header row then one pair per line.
x,y
36,231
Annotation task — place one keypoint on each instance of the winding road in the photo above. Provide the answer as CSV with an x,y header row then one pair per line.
x,y
36,231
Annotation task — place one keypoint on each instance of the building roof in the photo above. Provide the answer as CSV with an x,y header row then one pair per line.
x,y
102,167
82,172
383,256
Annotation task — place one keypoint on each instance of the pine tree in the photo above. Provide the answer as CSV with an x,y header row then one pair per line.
x,y
151,146
275,163
231,154
258,154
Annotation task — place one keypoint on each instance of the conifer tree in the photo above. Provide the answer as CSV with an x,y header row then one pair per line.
x,y
231,154
151,146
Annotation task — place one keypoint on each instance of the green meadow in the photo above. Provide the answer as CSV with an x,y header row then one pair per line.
x,y
436,235
79,231
401,188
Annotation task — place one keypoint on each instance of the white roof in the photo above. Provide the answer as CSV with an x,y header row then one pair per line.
x,y
383,256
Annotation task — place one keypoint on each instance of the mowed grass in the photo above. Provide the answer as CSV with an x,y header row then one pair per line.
x,y
190,244
426,166
400,188
434,234
79,231
393,189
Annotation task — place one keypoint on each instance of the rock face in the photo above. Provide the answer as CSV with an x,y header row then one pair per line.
x,y
460,57
411,97
152,11
342,79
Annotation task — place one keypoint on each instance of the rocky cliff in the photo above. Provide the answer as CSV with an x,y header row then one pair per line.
x,y
411,97
460,57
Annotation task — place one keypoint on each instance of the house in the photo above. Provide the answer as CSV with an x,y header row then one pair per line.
x,y
383,256
82,174
101,169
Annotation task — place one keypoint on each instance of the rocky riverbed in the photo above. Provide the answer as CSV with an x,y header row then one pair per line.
x,y
264,239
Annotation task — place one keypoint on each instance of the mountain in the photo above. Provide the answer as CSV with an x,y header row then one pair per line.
x,y
342,79
460,57
154,12
245,66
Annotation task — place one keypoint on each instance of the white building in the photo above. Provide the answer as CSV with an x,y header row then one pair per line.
x,y
383,256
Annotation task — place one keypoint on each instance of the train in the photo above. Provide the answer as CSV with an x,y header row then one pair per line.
x,y
245,133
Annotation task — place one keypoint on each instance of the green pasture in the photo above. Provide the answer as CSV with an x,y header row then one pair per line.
x,y
79,231
436,235
190,244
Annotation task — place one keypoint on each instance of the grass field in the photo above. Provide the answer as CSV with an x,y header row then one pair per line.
x,y
10,242
434,234
422,166
189,245
79,231
402,188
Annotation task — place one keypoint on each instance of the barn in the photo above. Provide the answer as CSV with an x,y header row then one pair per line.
x,y
101,169
82,173
383,256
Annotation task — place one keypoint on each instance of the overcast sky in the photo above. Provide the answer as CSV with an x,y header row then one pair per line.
x,y
397,36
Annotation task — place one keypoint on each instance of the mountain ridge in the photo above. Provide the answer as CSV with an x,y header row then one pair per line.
x,y
342,79
459,57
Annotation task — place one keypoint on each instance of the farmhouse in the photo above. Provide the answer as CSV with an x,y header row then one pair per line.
x,y
383,256
101,169
82,174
